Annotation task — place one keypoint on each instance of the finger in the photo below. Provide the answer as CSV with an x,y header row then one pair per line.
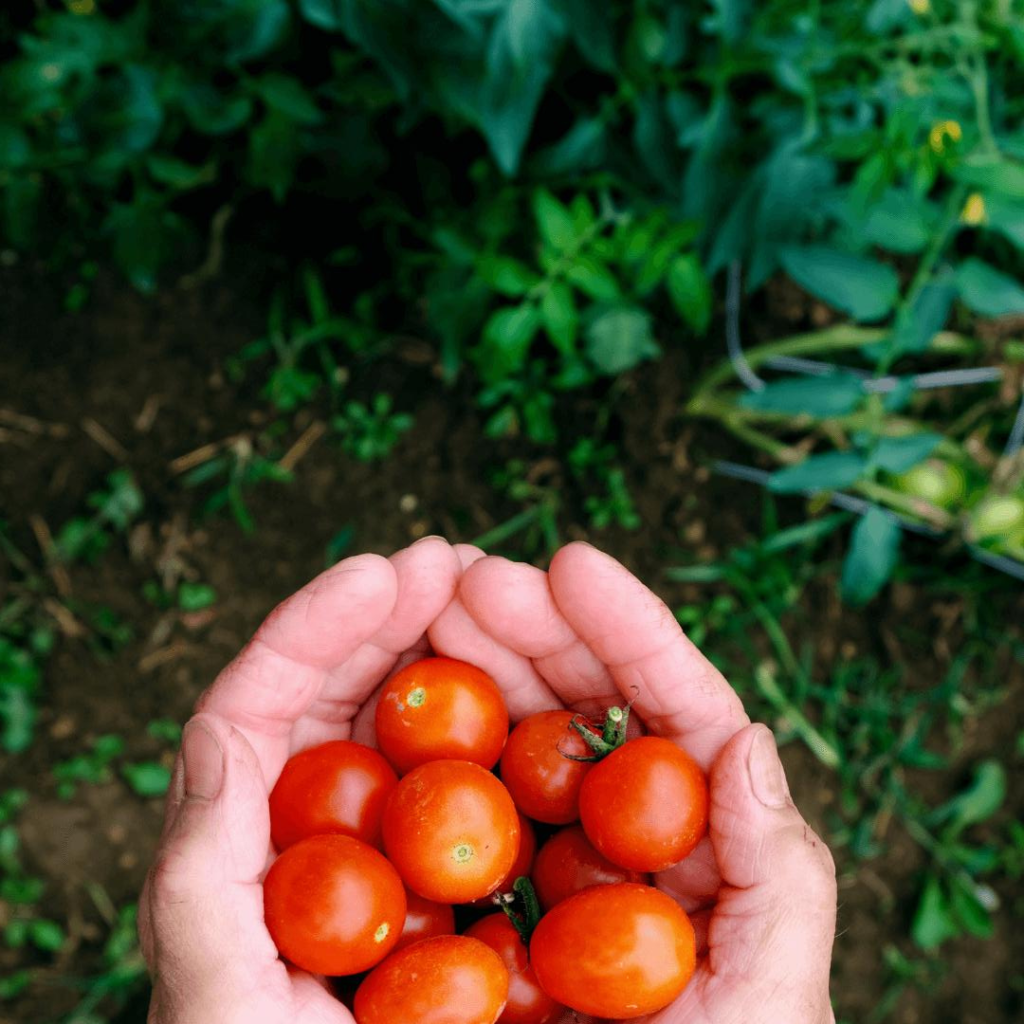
x,y
512,602
427,574
695,881
775,918
677,692
468,554
279,674
201,913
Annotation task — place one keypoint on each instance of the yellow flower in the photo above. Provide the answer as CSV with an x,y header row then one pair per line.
x,y
81,6
920,7
974,211
943,130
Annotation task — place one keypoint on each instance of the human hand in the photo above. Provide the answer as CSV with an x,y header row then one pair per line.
x,y
761,890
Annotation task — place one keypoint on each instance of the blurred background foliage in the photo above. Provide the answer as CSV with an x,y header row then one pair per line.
x,y
549,194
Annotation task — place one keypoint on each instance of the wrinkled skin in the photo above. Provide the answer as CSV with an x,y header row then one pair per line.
x,y
760,889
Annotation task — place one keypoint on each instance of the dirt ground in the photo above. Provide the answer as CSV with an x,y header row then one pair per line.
x,y
149,372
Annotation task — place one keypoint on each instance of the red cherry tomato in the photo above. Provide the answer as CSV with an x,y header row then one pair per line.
x,y
568,863
333,905
616,951
336,787
424,919
451,830
543,782
645,806
450,979
527,1002
524,859
441,708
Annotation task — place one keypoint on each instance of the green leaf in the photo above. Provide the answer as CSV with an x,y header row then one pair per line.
x,y
978,802
255,28
143,234
898,222
594,279
690,291
168,170
988,291
165,729
593,31
619,338
1006,215
13,984
287,96
830,471
970,912
917,325
507,275
326,14
933,921
582,148
558,314
554,221
275,146
21,890
194,597
822,397
507,337
148,778
1002,175
872,558
46,935
862,287
212,112
899,454
17,719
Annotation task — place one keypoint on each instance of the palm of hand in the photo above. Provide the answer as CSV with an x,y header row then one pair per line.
x,y
581,637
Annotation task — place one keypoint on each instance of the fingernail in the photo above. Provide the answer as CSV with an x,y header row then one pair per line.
x,y
428,537
767,776
204,761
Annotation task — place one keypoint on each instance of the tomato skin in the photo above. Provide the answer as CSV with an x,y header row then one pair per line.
x,y
524,858
527,1002
543,782
338,787
333,905
617,951
424,919
441,708
568,863
459,980
645,806
451,831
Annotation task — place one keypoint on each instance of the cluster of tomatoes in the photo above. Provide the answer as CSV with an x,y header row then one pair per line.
x,y
383,853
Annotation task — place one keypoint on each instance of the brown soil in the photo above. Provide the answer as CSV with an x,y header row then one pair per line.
x,y
125,353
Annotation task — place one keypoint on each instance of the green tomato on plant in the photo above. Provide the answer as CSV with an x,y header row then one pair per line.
x,y
939,483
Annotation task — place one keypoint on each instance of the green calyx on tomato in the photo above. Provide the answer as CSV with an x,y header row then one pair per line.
x,y
521,907
613,734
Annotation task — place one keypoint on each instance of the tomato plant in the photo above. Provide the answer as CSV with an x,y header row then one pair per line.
x,y
645,805
458,980
441,708
568,862
451,830
543,781
424,919
527,1002
335,787
616,951
333,905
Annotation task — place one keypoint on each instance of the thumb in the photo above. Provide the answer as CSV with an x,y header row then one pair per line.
x,y
770,938
201,911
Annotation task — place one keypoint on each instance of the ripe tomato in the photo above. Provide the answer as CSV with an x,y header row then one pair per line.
x,y
441,708
333,905
527,1002
451,830
568,863
449,979
543,782
524,859
424,919
616,951
336,787
645,806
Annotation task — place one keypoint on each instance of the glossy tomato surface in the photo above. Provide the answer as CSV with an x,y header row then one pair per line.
x,y
333,905
527,1002
568,863
524,859
617,951
425,919
441,708
338,787
543,782
450,979
645,806
451,830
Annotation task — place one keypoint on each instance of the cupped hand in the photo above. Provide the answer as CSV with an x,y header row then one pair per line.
x,y
761,889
